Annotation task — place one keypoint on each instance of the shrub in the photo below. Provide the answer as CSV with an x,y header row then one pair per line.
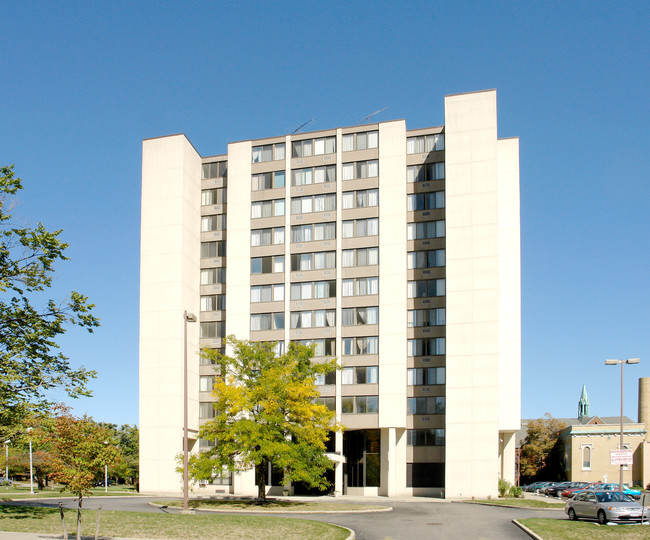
x,y
515,491
504,486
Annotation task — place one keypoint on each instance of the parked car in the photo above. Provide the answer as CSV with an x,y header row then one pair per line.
x,y
532,487
605,506
556,489
573,487
614,487
592,485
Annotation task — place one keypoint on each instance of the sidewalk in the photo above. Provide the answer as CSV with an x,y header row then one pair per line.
x,y
71,536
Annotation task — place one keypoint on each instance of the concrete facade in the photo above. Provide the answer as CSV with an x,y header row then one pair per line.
x,y
395,250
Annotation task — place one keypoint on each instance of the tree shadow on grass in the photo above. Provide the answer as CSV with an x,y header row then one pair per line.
x,y
245,502
25,512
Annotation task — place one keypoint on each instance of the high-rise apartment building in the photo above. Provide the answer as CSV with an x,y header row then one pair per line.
x,y
395,250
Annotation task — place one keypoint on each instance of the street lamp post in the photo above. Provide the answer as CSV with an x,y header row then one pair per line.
x,y
7,458
620,447
105,471
31,463
187,317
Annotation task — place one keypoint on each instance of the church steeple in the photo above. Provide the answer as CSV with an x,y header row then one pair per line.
x,y
583,405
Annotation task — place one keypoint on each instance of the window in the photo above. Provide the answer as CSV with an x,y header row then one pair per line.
x,y
315,231
213,223
426,201
325,379
360,286
329,402
425,437
316,203
314,147
212,330
425,347
360,345
313,289
360,141
313,261
213,302
206,410
213,249
425,230
267,237
425,405
426,288
263,209
212,276
359,404
322,347
267,321
425,376
360,227
360,375
360,199
267,293
425,143
206,383
425,259
313,175
586,458
360,169
426,317
313,319
269,180
217,169
426,172
360,316
213,196
360,257
268,152
425,475
267,265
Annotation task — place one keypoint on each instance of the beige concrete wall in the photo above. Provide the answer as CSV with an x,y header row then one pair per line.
x,y
482,293
169,284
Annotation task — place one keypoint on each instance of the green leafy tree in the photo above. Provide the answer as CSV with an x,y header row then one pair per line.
x,y
127,437
267,411
76,449
541,451
30,363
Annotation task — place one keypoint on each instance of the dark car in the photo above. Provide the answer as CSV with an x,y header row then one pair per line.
x,y
580,486
605,506
557,489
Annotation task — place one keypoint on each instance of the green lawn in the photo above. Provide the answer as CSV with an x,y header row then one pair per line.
x,y
273,505
21,491
563,529
524,503
161,525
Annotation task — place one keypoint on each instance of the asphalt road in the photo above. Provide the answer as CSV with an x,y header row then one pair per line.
x,y
409,520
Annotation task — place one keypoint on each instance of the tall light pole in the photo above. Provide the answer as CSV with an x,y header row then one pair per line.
x,y
7,458
620,447
187,317
31,474
105,470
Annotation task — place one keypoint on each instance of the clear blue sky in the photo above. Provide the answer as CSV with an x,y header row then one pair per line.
x,y
84,82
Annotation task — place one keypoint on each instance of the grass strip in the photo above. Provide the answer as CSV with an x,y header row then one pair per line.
x,y
563,529
523,503
163,525
273,505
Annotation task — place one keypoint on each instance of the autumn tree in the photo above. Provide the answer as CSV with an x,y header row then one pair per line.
x,y
267,412
541,451
30,363
76,449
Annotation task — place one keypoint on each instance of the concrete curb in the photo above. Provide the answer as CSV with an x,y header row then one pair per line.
x,y
527,530
273,512
512,506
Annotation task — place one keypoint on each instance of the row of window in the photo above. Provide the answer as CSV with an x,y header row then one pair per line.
x,y
322,347
320,260
426,317
212,329
359,316
212,276
425,376
214,196
318,318
359,257
313,231
360,169
313,289
313,147
267,265
269,180
213,249
313,175
425,437
350,375
425,259
425,346
360,286
267,321
425,230
313,203
425,201
357,228
362,198
425,405
218,169
425,143
425,288
268,152
267,293
213,223
267,237
263,209
213,302
359,404
426,172
360,345
360,141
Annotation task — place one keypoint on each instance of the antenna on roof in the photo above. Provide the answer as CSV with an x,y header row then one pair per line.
x,y
372,114
297,130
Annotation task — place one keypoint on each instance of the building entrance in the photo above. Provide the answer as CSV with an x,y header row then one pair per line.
x,y
362,450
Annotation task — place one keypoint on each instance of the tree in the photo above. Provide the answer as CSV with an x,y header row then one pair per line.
x,y
30,364
76,449
127,437
541,454
267,412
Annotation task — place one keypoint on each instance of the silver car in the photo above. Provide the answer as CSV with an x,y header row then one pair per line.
x,y
605,506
